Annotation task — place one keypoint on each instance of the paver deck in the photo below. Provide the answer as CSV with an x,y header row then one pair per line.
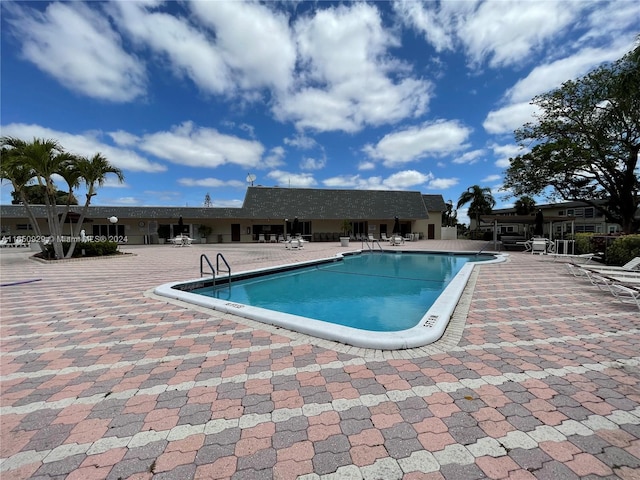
x,y
537,377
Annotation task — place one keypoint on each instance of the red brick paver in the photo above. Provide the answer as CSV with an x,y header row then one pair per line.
x,y
536,377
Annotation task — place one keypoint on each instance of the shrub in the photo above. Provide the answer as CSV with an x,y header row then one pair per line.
x,y
583,243
91,249
623,249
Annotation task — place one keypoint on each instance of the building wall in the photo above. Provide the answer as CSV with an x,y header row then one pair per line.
x,y
139,231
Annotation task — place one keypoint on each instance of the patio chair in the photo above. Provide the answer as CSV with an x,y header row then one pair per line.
x,y
4,242
539,246
293,243
384,238
396,240
261,238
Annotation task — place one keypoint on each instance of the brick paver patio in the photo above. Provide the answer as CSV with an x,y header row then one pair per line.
x,y
537,377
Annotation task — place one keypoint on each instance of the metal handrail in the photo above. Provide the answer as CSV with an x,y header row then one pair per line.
x,y
219,257
374,241
213,272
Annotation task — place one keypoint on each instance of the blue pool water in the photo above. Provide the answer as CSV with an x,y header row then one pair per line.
x,y
375,292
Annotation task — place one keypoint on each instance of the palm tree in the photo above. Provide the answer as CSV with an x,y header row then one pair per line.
x,y
93,171
525,205
47,158
41,160
480,202
19,175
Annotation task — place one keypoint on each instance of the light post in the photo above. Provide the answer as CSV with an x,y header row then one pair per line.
x,y
113,220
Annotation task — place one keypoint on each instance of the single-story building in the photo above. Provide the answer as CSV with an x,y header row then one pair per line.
x,y
268,211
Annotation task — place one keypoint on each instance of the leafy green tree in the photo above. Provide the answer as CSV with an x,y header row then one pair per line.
x,y
585,143
480,200
35,196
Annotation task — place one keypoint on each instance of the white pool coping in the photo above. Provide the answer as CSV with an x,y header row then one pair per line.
x,y
428,330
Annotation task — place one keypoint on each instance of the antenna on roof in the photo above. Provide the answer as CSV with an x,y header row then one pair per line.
x,y
250,178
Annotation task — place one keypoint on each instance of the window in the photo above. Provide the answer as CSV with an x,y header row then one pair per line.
x,y
110,230
589,212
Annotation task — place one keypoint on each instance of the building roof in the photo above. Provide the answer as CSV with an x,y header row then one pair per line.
x,y
523,219
281,203
434,203
333,204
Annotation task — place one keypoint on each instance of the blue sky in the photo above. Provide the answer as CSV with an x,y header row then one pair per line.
x,y
188,98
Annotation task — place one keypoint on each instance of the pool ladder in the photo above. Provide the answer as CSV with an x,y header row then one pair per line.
x,y
216,270
370,247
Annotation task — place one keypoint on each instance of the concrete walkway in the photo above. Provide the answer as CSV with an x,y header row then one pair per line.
x,y
538,377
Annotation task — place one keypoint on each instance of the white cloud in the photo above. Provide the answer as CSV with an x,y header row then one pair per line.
x,y
76,45
509,118
430,139
310,163
491,178
503,153
274,158
442,183
552,75
301,141
403,180
189,50
469,157
194,146
296,180
501,33
266,56
126,201
86,144
210,182
544,78
124,139
407,179
506,32
366,165
348,79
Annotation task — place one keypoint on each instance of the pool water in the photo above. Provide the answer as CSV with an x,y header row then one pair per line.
x,y
375,292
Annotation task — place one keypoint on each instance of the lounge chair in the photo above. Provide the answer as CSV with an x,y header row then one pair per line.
x,y
384,238
370,238
626,294
602,283
632,265
261,238
4,242
578,259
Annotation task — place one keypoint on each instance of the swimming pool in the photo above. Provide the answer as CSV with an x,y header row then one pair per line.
x,y
372,300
